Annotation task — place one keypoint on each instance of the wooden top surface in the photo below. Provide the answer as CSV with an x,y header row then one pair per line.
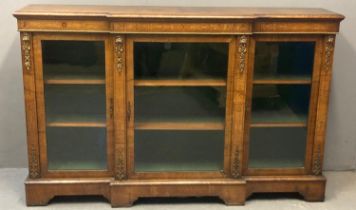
x,y
63,11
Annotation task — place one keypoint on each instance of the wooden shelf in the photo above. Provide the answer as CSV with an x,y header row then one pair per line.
x,y
180,125
76,124
286,118
74,80
180,82
260,79
76,121
281,82
278,125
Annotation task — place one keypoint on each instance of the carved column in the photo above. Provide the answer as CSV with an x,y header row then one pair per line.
x,y
120,149
239,96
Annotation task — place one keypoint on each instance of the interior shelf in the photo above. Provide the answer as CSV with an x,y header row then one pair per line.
x,y
65,79
282,79
76,121
180,124
180,82
278,125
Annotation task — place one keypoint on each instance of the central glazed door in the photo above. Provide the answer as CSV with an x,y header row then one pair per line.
x,y
179,105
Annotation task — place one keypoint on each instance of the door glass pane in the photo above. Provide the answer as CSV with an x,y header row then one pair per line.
x,y
182,104
179,126
75,103
75,107
180,60
76,148
280,103
277,147
284,60
179,150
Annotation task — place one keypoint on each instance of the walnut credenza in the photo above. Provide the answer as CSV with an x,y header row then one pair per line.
x,y
130,102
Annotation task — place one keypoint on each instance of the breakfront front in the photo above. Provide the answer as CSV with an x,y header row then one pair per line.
x,y
131,102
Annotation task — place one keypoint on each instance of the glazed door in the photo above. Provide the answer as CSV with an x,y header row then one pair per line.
x,y
179,102
283,88
74,91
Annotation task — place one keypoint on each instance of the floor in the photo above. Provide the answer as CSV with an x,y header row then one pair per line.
x,y
340,195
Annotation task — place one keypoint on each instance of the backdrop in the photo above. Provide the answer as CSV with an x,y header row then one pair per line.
x,y
341,135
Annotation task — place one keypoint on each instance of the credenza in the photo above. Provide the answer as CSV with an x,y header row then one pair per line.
x,y
130,102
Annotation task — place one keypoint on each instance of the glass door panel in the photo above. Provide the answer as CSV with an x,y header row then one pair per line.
x,y
180,102
75,103
73,60
179,150
75,108
169,60
277,147
280,104
284,60
76,148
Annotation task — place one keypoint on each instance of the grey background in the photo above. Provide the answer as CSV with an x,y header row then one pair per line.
x,y
341,135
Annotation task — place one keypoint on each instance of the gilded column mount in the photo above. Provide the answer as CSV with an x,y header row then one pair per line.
x,y
119,48
236,165
33,163
120,169
242,52
329,51
26,49
317,168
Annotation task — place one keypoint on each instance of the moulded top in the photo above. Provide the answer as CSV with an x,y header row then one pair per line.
x,y
93,11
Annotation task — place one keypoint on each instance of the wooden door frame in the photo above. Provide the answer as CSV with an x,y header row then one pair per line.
x,y
130,39
311,122
39,82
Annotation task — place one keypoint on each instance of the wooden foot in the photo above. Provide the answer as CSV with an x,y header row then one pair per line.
x,y
37,197
312,188
122,197
119,200
40,191
234,195
233,200
314,193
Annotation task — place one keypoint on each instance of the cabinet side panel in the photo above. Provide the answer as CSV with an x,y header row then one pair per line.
x,y
30,105
323,100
